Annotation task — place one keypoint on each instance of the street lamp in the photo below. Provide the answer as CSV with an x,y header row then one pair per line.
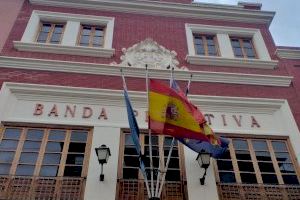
x,y
103,153
203,160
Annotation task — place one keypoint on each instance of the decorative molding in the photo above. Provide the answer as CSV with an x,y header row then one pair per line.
x,y
231,62
110,70
193,10
86,19
230,30
150,53
63,49
50,93
288,53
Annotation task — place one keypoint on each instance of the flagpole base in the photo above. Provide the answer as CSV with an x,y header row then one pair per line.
x,y
154,198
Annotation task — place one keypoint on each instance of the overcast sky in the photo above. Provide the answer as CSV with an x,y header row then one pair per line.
x,y
285,26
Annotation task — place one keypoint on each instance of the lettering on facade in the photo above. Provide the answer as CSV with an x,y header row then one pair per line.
x,y
208,118
86,112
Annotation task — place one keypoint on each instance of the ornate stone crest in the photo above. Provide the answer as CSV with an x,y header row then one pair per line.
x,y
150,53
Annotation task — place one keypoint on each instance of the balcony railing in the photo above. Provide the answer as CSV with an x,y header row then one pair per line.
x,y
136,190
234,191
41,188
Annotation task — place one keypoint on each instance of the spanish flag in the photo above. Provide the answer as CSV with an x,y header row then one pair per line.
x,y
172,114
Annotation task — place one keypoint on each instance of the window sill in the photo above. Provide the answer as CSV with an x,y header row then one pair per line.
x,y
62,49
231,62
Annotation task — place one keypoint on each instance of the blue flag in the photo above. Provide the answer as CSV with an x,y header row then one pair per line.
x,y
215,150
135,131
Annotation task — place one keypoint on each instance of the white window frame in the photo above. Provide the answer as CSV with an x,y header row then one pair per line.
x,y
227,57
68,43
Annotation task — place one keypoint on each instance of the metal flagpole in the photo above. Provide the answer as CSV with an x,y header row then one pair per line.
x,y
161,166
166,168
173,141
188,85
164,172
141,162
158,177
150,136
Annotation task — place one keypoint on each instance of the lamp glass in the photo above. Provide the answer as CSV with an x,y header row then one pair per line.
x,y
103,154
203,160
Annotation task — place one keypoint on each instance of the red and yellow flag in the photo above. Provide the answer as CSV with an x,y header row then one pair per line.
x,y
172,114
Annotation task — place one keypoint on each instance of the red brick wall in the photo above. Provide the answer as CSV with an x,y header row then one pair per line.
x,y
167,31
132,28
8,18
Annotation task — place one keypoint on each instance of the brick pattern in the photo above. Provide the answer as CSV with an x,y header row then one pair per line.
x,y
131,29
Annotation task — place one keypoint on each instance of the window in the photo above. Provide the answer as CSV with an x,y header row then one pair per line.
x,y
131,184
65,33
42,163
43,152
50,33
243,47
206,45
91,36
253,166
227,46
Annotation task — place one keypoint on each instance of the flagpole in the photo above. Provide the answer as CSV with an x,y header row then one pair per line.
x,y
150,135
141,161
164,171
158,178
160,167
173,140
166,168
188,85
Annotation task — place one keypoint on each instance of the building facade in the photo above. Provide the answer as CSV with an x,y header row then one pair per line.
x,y
61,97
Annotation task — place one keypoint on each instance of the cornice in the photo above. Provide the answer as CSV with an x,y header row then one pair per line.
x,y
194,10
288,53
77,95
63,49
112,70
231,62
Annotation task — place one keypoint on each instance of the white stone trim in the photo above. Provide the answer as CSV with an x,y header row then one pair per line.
x,y
68,44
193,10
104,69
223,34
62,49
82,95
288,53
224,45
231,62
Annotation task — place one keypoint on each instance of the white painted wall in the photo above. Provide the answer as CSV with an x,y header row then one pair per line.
x,y
208,191
17,106
96,190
